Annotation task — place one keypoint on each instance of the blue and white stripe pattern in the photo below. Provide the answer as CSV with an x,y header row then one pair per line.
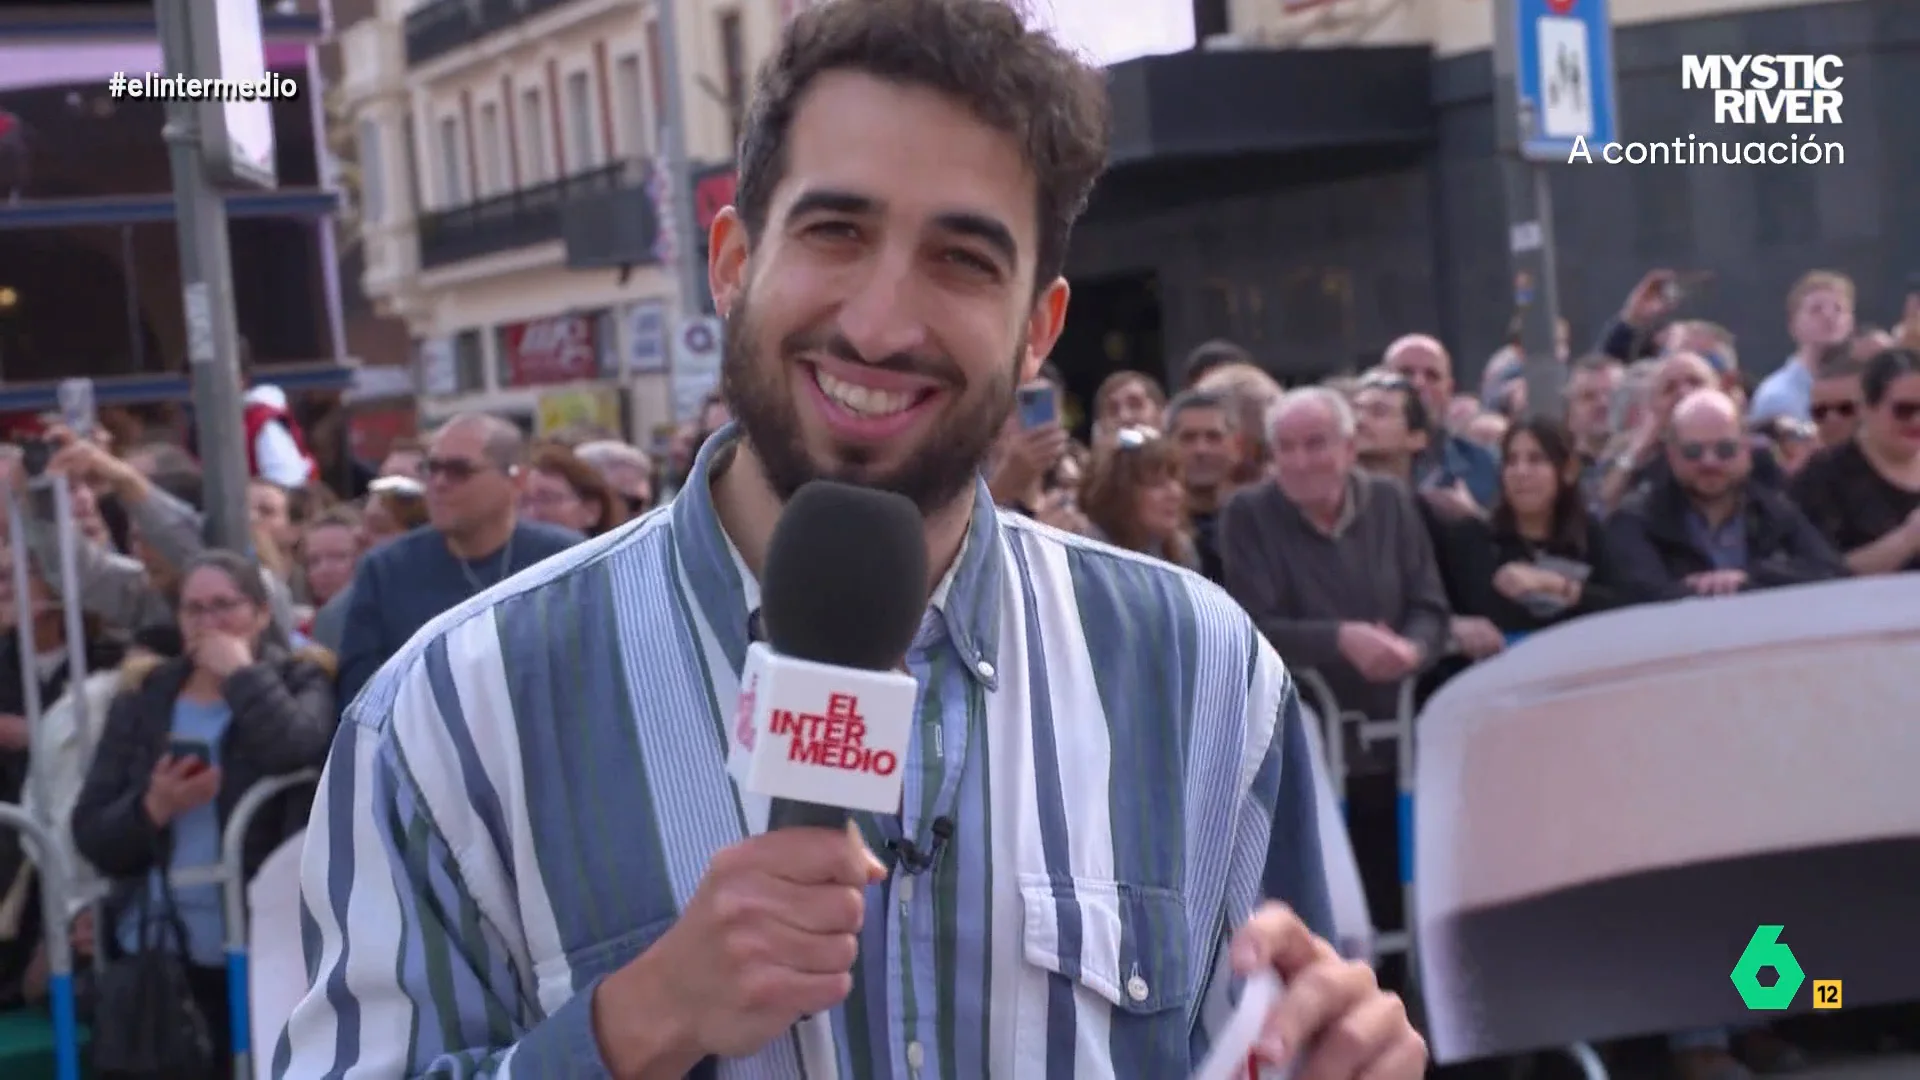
x,y
525,797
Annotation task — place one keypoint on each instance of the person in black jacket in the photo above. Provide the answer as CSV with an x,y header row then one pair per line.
x,y
1545,559
183,742
1705,529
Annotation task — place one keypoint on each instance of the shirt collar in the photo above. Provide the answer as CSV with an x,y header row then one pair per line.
x,y
967,599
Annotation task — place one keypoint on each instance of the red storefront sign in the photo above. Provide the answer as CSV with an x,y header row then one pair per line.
x,y
712,193
560,349
373,429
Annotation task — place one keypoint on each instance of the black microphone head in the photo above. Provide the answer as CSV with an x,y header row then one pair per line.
x,y
846,576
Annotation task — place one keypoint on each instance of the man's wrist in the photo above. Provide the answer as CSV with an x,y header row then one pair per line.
x,y
642,1033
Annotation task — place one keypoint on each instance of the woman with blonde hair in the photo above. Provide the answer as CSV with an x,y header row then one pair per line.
x,y
1133,498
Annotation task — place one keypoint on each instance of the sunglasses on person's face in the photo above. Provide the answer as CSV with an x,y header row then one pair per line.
x,y
1720,449
1820,410
452,470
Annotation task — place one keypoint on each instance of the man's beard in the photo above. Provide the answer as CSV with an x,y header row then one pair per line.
x,y
936,472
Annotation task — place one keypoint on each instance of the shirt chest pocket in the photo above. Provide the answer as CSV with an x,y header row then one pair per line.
x,y
1116,966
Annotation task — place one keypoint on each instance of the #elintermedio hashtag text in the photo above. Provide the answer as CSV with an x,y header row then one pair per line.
x,y
160,87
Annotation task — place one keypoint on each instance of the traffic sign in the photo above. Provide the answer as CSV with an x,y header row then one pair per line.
x,y
1565,77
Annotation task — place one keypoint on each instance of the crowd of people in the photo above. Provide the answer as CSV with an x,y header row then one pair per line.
x,y
1391,525
1379,527
208,670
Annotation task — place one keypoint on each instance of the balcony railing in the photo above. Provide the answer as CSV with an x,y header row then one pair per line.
x,y
514,220
441,26
619,227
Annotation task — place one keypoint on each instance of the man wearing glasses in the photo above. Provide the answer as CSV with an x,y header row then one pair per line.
x,y
474,539
1703,528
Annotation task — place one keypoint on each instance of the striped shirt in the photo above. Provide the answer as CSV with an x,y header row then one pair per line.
x,y
526,796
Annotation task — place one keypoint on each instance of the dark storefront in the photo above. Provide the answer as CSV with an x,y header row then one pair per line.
x,y
1245,221
1315,204
87,241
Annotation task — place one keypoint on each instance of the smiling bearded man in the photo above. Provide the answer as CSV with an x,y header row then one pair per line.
x,y
528,857
760,392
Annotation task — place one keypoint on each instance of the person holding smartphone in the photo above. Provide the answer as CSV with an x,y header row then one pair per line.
x,y
184,740
1031,447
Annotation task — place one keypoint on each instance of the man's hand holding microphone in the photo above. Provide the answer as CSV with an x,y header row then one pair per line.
x,y
770,936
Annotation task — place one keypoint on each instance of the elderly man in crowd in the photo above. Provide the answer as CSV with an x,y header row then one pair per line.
x,y
1704,528
1334,565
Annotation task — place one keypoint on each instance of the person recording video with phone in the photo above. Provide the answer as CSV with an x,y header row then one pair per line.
x,y
127,590
184,739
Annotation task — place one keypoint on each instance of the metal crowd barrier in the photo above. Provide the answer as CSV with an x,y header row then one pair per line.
x,y
60,900
233,884
51,867
1400,729
1371,731
74,617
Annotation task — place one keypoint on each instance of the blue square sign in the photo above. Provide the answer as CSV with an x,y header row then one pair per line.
x,y
1565,76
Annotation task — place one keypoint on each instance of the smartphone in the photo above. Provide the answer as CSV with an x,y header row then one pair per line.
x,y
1039,404
77,409
1685,283
1570,569
190,748
35,453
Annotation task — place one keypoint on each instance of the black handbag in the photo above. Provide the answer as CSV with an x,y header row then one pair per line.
x,y
148,1024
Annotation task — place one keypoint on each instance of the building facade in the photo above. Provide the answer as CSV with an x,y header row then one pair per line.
x,y
89,264
1323,178
511,206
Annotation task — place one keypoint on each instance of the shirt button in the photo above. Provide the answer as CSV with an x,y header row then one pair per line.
x,y
1137,988
985,669
916,1055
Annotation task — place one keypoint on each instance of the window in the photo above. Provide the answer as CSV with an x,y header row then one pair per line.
x,y
373,202
539,152
733,60
469,362
453,178
493,171
633,99
581,154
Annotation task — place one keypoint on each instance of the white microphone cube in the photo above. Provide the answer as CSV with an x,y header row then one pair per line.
x,y
821,734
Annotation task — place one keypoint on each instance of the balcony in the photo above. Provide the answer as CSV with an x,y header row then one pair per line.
x,y
441,26
515,220
619,227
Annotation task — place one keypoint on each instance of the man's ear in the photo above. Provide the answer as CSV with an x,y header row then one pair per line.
x,y
1044,324
727,253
